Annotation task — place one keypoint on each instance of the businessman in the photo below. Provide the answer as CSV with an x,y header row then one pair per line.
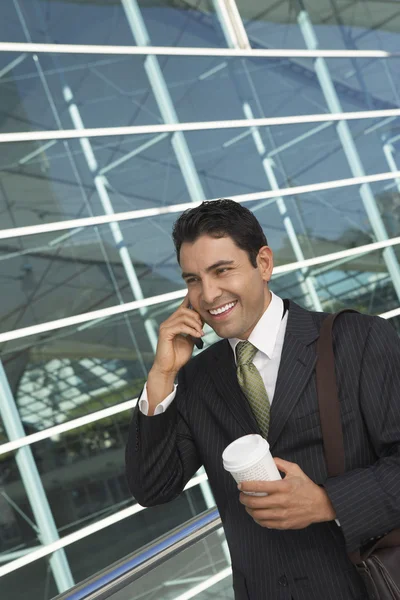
x,y
260,378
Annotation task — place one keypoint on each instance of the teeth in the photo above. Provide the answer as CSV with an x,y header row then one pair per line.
x,y
219,311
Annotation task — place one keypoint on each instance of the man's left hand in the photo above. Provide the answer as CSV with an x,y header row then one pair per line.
x,y
294,502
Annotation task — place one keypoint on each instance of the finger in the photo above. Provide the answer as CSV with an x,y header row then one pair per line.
x,y
187,318
186,302
190,313
263,502
269,523
268,515
272,524
181,329
183,314
186,305
289,468
266,487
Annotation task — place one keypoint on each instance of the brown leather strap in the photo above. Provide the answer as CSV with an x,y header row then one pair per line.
x,y
328,401
331,423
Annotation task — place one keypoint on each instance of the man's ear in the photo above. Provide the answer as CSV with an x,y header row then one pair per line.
x,y
265,262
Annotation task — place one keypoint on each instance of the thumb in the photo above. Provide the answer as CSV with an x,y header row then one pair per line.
x,y
289,468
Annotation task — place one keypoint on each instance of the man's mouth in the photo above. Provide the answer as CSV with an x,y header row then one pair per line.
x,y
222,311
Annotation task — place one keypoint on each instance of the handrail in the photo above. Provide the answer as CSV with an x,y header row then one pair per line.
x,y
135,565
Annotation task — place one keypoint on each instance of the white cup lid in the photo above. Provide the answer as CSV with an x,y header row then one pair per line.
x,y
244,452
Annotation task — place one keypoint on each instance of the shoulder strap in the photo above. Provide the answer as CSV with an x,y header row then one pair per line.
x,y
331,424
328,401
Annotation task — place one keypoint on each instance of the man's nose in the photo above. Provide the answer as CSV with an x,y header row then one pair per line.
x,y
210,292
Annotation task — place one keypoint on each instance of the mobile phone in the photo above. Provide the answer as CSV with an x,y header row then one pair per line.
x,y
198,342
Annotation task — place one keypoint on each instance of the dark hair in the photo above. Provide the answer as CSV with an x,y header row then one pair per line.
x,y
220,218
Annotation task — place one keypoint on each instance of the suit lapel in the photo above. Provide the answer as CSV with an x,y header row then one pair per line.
x,y
221,367
296,366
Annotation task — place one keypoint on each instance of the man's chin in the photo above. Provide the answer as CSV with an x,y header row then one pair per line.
x,y
225,331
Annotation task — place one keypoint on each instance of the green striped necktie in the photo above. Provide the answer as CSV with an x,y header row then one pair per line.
x,y
252,384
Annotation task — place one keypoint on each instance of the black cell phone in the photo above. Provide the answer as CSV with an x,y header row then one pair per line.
x,y
198,342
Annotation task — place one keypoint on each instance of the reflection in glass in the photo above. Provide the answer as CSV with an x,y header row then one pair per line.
x,y
169,23
341,25
83,476
34,580
66,374
200,570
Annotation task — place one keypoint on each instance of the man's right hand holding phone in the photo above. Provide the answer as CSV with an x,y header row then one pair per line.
x,y
174,349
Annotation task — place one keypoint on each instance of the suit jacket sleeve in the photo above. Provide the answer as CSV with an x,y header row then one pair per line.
x,y
161,455
367,500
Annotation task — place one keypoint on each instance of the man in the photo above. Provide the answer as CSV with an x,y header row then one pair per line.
x,y
293,542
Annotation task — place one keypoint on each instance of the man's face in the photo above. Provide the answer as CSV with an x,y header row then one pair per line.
x,y
224,288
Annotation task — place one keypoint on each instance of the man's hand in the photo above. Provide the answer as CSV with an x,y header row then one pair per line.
x,y
175,343
292,503
174,348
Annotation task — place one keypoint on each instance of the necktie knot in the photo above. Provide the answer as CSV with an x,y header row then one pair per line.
x,y
245,352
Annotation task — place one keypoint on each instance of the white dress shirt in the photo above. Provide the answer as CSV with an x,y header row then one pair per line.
x,y
267,336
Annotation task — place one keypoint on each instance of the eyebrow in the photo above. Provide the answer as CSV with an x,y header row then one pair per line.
x,y
220,263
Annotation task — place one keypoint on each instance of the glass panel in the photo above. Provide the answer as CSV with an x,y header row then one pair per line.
x,y
361,282
168,23
368,84
50,276
108,91
204,564
33,581
68,373
182,23
348,19
272,87
373,139
326,222
84,481
111,91
339,25
132,533
43,183
229,163
272,24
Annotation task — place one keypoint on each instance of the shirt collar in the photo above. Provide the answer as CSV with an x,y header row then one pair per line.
x,y
265,333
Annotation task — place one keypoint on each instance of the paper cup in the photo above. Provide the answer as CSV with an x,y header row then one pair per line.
x,y
249,459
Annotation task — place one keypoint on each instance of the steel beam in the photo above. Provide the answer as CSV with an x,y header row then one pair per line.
x,y
33,485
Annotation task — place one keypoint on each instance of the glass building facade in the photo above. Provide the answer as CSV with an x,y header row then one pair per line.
x,y
115,116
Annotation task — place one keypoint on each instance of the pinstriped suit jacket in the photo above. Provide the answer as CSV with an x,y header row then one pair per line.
x,y
210,411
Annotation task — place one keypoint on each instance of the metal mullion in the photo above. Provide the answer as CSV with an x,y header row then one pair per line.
x,y
179,127
143,50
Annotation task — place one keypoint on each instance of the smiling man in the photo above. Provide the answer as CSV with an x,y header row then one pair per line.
x,y
287,544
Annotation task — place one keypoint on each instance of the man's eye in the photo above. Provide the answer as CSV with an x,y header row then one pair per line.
x,y
192,280
223,270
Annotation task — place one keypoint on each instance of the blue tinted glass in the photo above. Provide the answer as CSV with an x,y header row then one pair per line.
x,y
107,23
338,25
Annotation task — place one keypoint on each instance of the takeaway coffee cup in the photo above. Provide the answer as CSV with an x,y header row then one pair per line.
x,y
249,459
